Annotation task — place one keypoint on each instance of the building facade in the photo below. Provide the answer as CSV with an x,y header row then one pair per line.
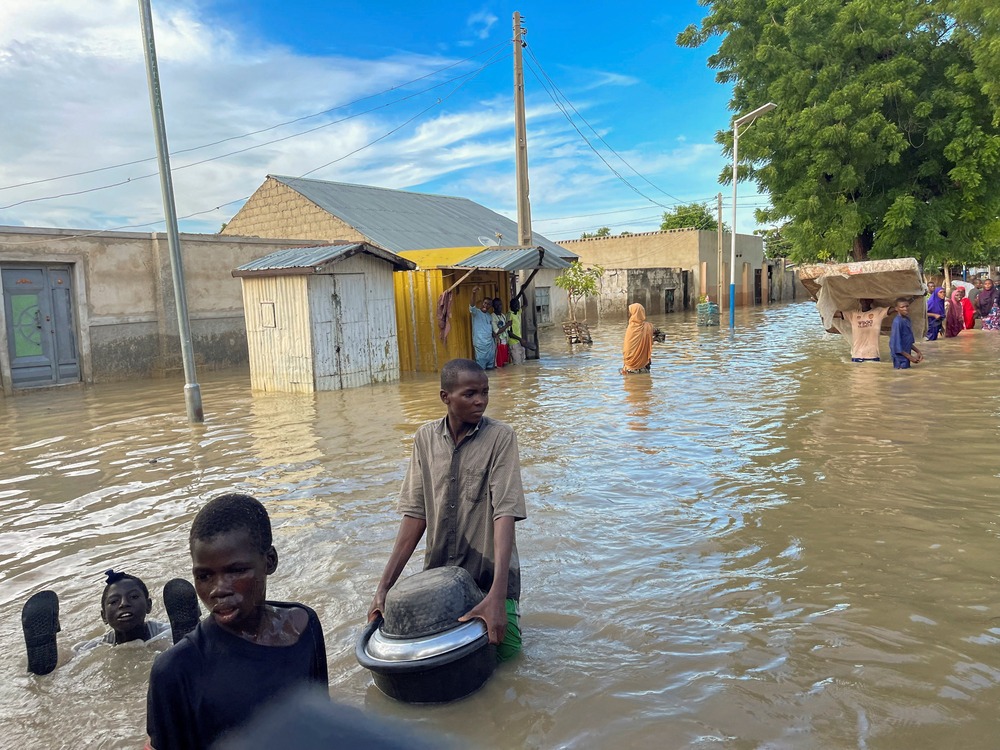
x,y
99,306
397,220
675,253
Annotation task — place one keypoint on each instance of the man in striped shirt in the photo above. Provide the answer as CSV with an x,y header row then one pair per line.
x,y
463,488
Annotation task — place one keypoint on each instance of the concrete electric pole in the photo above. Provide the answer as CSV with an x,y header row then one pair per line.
x,y
192,391
718,237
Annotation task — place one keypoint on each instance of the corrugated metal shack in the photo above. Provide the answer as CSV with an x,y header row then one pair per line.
x,y
321,318
420,307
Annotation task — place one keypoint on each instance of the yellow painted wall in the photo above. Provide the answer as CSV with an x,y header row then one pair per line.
x,y
420,346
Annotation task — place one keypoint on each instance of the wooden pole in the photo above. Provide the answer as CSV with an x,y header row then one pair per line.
x,y
524,235
452,287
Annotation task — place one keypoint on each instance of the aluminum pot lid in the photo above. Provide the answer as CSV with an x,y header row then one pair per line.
x,y
387,648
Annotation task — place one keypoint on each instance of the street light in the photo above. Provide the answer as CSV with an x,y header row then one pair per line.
x,y
749,117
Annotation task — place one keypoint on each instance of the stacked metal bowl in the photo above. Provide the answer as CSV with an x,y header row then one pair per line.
x,y
419,652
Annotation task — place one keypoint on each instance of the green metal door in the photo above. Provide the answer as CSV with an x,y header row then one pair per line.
x,y
41,332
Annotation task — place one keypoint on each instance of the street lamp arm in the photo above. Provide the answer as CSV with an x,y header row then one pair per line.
x,y
749,116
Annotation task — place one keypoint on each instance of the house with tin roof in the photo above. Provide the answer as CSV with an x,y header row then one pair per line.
x,y
397,220
321,318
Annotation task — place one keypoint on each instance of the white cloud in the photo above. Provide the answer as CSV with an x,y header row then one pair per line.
x,y
481,23
76,99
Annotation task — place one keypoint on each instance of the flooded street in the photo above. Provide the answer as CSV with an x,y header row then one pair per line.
x,y
761,545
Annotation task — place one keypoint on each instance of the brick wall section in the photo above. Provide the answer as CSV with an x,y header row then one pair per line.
x,y
277,211
674,248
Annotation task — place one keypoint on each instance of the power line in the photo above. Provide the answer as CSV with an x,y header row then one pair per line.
x,y
590,145
620,211
244,198
263,130
451,93
599,136
471,75
653,217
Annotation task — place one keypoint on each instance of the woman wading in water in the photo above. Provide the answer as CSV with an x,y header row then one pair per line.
x,y
637,350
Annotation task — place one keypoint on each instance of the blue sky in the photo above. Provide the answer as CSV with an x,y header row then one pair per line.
x,y
73,84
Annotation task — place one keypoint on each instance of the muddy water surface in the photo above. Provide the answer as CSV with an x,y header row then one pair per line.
x,y
759,546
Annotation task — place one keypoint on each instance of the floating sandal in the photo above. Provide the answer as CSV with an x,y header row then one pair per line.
x,y
181,603
40,622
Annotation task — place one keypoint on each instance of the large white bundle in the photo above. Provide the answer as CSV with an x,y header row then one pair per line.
x,y
842,286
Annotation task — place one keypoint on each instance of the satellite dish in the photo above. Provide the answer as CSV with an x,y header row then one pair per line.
x,y
487,241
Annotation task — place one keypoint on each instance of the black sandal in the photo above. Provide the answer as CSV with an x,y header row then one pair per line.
x,y
40,622
181,602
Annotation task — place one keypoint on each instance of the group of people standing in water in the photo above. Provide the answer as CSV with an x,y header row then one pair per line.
x,y
969,301
496,335
978,299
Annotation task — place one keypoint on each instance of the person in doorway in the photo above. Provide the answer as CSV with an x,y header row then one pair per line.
x,y
463,488
514,331
637,349
483,343
935,314
954,319
248,651
901,342
985,303
866,325
500,326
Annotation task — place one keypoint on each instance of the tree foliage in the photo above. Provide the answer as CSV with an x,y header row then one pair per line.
x,y
691,216
579,283
602,232
775,243
884,142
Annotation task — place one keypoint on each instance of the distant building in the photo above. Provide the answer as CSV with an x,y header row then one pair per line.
x,y
666,271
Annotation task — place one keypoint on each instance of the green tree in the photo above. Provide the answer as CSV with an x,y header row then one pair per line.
x,y
775,244
978,30
883,143
602,232
579,283
691,216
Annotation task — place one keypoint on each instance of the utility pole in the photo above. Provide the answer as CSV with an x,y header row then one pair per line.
x,y
192,391
524,236
718,238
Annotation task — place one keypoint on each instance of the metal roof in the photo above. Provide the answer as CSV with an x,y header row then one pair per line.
x,y
400,220
514,259
306,260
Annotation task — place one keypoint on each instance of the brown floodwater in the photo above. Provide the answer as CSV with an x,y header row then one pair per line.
x,y
761,545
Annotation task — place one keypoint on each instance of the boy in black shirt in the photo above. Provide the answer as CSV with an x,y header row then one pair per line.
x,y
247,651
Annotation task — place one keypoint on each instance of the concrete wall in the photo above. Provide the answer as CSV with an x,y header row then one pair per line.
x,y
277,211
693,250
558,299
620,287
125,309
